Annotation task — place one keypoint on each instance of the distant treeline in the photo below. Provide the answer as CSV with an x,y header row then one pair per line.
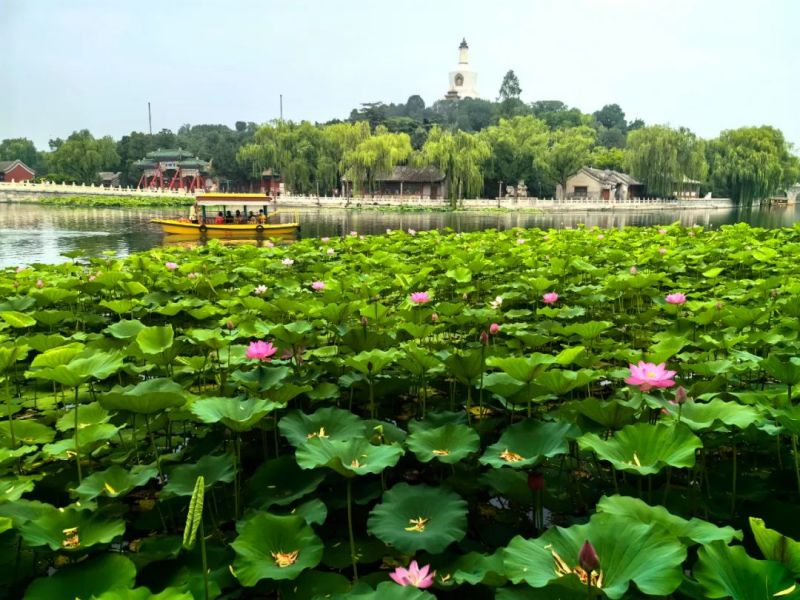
x,y
476,143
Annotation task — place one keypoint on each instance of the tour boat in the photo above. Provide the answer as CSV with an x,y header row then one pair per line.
x,y
211,215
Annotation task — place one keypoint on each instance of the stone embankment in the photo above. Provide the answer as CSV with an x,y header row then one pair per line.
x,y
31,192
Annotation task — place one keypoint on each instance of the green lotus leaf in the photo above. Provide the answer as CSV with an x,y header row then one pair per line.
x,y
155,340
629,552
9,355
728,572
521,368
776,546
88,414
475,568
510,483
717,415
609,414
115,481
419,517
60,355
314,512
26,431
588,330
12,488
17,319
87,579
645,449
317,585
371,362
236,414
143,593
279,482
7,455
527,443
694,530
125,329
785,370
330,423
348,457
70,530
448,444
274,547
181,479
560,382
386,590
88,436
466,366
551,592
148,397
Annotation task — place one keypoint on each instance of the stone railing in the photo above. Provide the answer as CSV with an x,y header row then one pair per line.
x,y
73,189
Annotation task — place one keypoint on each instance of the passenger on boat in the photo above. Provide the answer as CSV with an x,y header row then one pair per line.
x,y
219,219
252,218
193,213
228,217
261,217
239,219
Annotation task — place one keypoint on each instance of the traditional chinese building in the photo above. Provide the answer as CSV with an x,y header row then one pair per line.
x,y
15,170
172,169
463,80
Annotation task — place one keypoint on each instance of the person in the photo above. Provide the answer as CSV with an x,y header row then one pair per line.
x,y
252,219
238,219
219,220
229,217
261,217
193,213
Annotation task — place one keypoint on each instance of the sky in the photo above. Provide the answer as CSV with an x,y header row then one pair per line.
x,y
708,65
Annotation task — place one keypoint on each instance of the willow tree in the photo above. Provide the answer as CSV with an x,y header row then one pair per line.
x,y
568,151
374,156
661,157
752,163
460,156
518,148
295,150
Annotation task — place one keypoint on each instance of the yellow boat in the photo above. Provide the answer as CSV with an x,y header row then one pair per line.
x,y
201,221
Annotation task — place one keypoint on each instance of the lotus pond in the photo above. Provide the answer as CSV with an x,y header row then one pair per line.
x,y
407,416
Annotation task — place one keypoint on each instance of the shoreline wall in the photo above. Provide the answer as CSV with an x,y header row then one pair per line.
x,y
25,192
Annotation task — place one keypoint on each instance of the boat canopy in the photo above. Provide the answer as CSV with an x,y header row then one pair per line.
x,y
233,199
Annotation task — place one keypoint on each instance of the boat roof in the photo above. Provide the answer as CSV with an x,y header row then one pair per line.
x,y
233,199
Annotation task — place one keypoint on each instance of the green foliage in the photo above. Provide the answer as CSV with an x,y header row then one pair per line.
x,y
661,157
567,151
82,157
124,201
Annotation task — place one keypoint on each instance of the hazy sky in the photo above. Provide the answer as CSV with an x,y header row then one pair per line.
x,y
704,64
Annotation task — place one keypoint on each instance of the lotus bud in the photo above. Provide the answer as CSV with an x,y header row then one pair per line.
x,y
494,328
39,283
230,324
370,366
484,338
719,305
535,481
680,395
587,557
364,321
774,293
434,317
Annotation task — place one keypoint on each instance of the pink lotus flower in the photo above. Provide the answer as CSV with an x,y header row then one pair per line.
x,y
494,328
318,286
662,251
420,297
260,351
550,298
193,275
412,232
649,375
325,240
171,266
330,251
662,231
520,241
676,298
21,268
269,244
601,237
353,233
92,277
39,283
288,262
496,303
261,289
413,576
690,234
634,270
587,557
434,317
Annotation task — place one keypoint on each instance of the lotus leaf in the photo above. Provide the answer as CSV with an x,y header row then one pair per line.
x,y
449,443
70,530
645,449
348,457
274,547
777,547
629,552
280,482
694,530
214,469
328,423
717,415
87,579
155,340
726,571
148,397
527,443
236,414
115,481
420,517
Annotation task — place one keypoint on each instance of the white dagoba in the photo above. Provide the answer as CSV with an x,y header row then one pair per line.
x,y
463,81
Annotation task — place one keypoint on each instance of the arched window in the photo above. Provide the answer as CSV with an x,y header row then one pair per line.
x,y
459,79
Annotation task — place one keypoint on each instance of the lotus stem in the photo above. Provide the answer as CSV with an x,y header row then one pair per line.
x,y
350,528
77,442
733,490
10,416
153,444
796,461
666,486
203,557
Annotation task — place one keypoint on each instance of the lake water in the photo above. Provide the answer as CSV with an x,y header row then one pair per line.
x,y
30,233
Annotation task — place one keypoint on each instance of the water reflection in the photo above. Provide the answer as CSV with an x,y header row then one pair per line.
x,y
30,233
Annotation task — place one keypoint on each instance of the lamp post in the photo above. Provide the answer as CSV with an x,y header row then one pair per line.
x,y
499,193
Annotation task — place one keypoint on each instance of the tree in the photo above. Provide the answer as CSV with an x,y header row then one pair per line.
x,y
661,157
558,115
460,156
607,158
611,116
415,107
568,151
81,156
135,146
517,148
510,87
752,163
21,149
376,155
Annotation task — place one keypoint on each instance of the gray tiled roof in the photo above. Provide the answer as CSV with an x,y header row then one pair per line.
x,y
611,177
